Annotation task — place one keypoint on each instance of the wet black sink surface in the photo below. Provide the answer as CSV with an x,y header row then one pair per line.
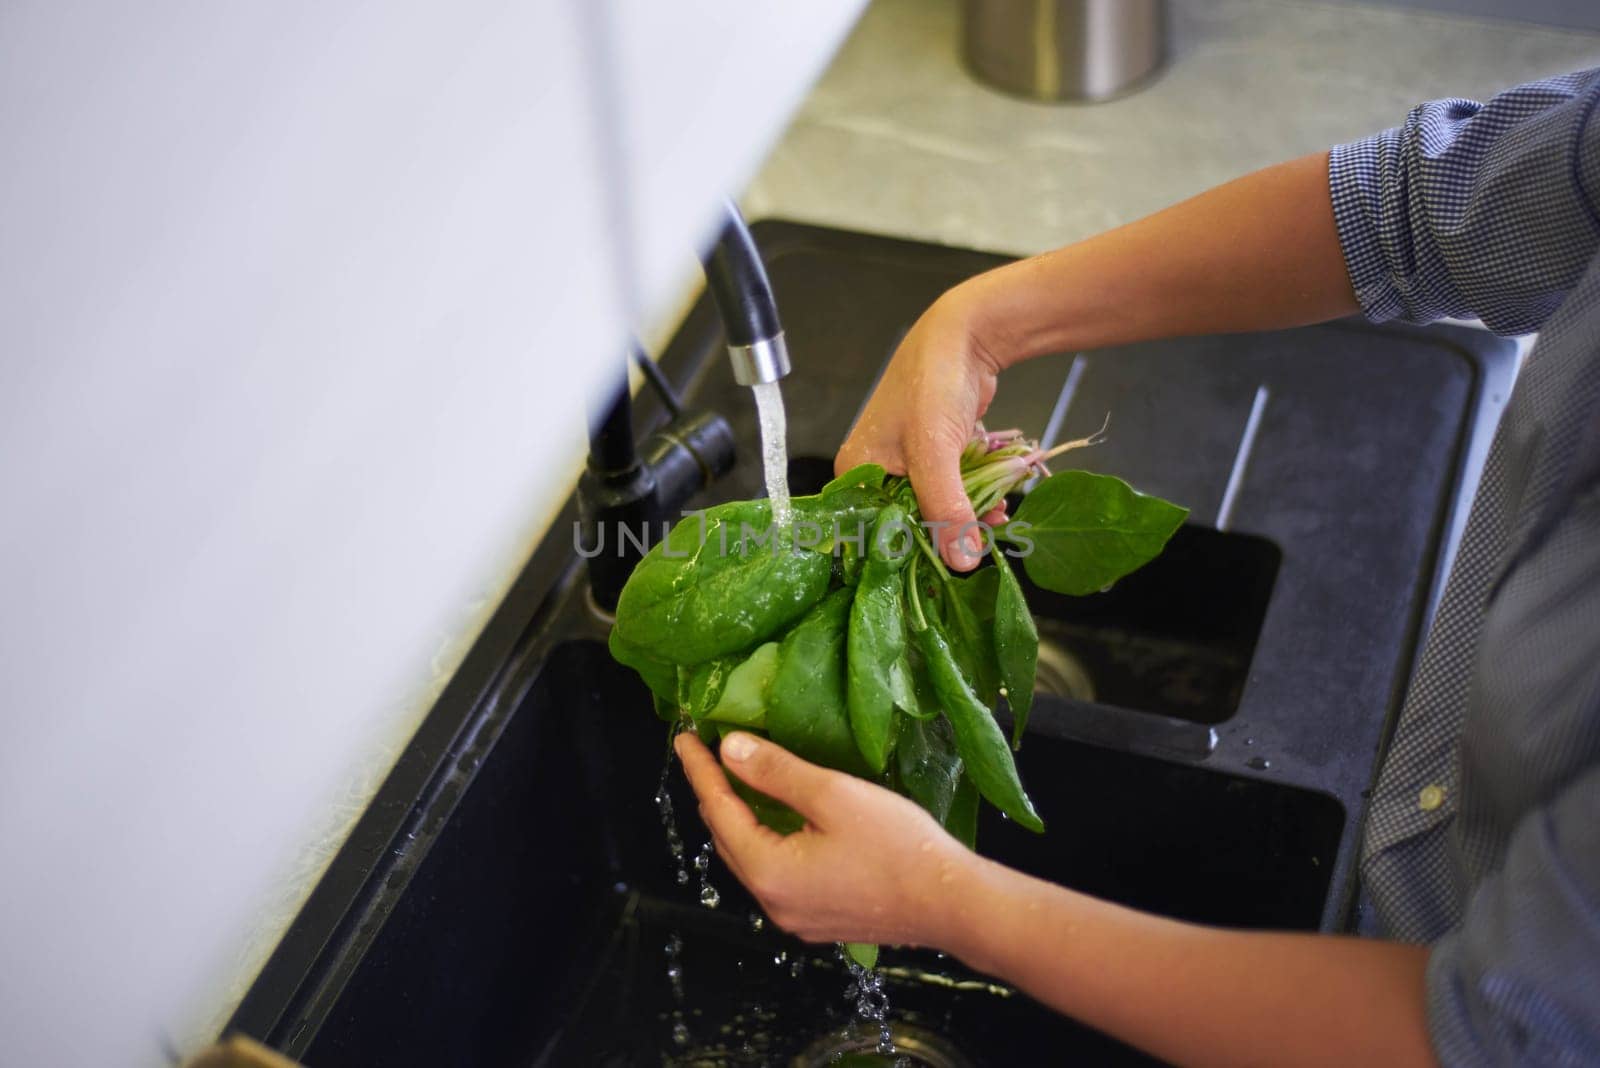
x,y
1201,745
550,947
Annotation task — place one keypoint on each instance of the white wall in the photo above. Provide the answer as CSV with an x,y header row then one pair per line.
x,y
298,305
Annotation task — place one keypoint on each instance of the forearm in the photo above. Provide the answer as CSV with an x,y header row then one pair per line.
x,y
1257,253
1189,994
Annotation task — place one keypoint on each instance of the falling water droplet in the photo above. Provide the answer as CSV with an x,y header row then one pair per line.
x,y
669,821
702,864
673,949
1258,763
757,922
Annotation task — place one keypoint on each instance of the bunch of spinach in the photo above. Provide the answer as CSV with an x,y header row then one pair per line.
x,y
844,638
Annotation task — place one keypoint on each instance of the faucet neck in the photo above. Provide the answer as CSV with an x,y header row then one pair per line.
x,y
739,285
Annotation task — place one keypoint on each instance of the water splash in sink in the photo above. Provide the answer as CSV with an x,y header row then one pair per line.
x,y
871,1001
774,449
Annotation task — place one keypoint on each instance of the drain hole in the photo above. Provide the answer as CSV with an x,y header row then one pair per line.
x,y
1060,673
914,1048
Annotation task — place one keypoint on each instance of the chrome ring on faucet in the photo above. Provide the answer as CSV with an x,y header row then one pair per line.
x,y
763,361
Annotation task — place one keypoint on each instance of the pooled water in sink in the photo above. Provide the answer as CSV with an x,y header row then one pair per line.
x,y
774,449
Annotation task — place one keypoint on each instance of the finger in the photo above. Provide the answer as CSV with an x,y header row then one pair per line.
x,y
996,516
734,862
778,773
849,455
936,476
724,812
862,446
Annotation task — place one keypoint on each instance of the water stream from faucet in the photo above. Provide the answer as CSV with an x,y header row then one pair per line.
x,y
774,449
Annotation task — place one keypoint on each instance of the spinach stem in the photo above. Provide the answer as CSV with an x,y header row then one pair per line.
x,y
919,621
930,552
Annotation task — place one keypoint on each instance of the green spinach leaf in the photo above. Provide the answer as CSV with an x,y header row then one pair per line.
x,y
879,677
928,766
709,589
742,698
983,748
807,711
971,637
863,953
861,476
1084,531
1016,646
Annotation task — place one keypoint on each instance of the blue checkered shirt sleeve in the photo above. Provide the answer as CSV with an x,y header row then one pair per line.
x,y
1490,211
1473,211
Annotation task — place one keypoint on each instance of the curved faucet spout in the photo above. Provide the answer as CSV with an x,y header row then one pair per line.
x,y
743,295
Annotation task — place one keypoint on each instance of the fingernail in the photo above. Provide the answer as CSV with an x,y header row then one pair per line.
x,y
974,544
953,555
740,746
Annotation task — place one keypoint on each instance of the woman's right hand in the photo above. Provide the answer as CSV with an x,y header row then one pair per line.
x,y
937,386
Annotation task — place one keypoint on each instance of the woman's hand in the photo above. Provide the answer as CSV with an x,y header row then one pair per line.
x,y
869,866
937,386
1259,253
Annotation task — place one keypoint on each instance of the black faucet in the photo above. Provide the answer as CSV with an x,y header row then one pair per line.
x,y
628,495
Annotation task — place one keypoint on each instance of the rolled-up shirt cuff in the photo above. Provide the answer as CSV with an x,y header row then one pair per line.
x,y
1356,190
1481,1018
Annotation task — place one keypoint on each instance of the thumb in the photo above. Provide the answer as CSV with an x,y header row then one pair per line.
x,y
936,476
778,773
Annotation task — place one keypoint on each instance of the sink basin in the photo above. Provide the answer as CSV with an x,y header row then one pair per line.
x,y
1174,638
1201,745
547,946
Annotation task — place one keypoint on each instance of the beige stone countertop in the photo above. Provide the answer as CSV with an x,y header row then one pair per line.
x,y
897,138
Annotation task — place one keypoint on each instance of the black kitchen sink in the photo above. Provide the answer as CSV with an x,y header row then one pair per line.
x,y
548,946
1200,746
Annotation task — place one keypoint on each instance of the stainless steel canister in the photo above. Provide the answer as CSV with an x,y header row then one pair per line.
x,y
1065,49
